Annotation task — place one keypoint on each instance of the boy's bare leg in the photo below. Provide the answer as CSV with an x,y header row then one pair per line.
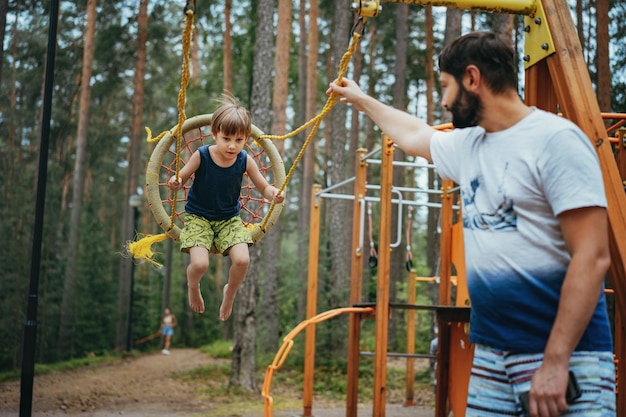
x,y
240,259
197,268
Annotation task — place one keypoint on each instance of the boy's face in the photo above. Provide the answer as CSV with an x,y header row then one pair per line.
x,y
229,146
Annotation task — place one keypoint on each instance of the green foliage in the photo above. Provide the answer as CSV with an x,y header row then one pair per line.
x,y
42,369
208,373
214,378
331,381
218,349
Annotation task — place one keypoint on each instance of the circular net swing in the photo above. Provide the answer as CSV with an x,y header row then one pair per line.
x,y
177,145
189,134
168,208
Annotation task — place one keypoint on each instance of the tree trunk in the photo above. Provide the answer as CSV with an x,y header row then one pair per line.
x,y
580,25
195,59
228,55
371,88
11,160
357,61
340,267
66,325
396,269
369,279
12,333
132,182
270,311
308,161
432,235
452,31
503,25
221,271
4,8
602,55
433,180
453,25
429,65
243,373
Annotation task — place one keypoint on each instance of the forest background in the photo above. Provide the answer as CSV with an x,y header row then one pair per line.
x,y
118,69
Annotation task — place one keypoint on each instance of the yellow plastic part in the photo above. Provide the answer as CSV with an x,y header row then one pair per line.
x,y
367,8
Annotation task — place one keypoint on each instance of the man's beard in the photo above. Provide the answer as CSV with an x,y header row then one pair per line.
x,y
466,109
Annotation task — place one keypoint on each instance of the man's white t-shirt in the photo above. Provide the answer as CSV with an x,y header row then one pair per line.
x,y
513,185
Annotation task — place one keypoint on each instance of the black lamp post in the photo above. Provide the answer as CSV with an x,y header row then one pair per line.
x,y
135,201
30,326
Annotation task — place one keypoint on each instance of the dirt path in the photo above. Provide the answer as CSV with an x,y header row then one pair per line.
x,y
123,387
139,387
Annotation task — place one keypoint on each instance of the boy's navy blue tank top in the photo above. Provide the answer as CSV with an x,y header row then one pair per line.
x,y
215,191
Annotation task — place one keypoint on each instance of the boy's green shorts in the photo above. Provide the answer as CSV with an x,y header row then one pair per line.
x,y
223,234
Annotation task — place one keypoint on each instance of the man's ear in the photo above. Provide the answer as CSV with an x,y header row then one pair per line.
x,y
472,78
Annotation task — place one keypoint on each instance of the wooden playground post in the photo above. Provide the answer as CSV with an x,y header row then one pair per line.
x,y
382,285
311,304
445,243
445,290
356,276
619,342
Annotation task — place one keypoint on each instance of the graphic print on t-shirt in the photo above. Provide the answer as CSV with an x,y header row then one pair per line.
x,y
501,218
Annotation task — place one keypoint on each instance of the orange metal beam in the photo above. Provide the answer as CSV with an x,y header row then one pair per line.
x,y
356,276
311,303
382,291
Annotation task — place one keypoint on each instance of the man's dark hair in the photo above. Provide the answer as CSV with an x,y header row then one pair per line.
x,y
491,53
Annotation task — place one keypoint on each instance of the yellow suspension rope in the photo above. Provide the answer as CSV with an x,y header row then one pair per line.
x,y
143,247
315,122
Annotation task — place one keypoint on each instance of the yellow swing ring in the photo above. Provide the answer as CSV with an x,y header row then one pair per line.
x,y
196,131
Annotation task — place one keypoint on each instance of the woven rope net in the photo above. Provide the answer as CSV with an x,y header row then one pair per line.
x,y
196,132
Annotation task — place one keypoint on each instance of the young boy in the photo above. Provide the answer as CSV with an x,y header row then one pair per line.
x,y
213,202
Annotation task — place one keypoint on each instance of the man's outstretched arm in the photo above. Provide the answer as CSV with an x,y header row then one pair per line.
x,y
410,133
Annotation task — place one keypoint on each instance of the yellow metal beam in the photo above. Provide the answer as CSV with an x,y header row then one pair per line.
x,y
538,40
371,8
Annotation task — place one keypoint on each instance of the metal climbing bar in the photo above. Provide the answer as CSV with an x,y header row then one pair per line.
x,y
620,122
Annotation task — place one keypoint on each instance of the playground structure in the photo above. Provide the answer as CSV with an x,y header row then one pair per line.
x,y
455,351
556,80
360,310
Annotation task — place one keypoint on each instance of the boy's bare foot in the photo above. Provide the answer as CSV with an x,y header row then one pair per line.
x,y
227,305
196,302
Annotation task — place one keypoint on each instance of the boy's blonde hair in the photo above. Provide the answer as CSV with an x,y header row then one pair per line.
x,y
231,118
